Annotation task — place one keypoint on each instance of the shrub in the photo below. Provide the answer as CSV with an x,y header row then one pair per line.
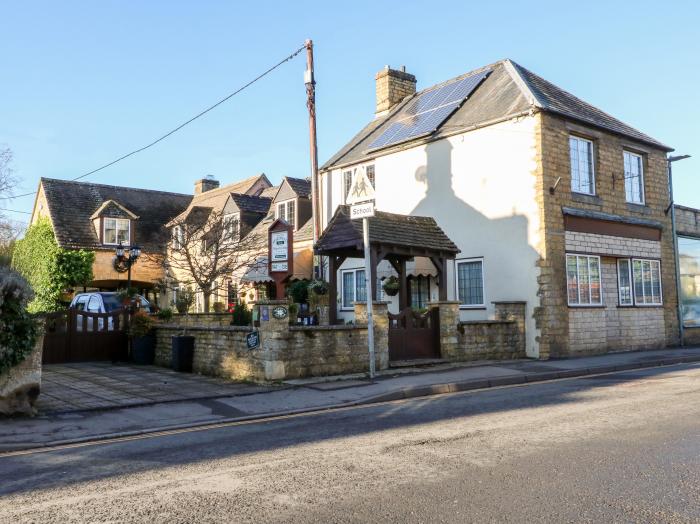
x,y
299,291
18,330
219,307
318,287
184,301
165,314
242,315
141,324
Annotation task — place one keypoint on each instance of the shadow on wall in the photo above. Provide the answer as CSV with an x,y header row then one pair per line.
x,y
510,262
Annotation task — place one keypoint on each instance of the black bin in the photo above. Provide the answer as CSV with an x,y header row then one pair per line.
x,y
183,353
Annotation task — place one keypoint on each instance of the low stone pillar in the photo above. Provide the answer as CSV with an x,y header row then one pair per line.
x,y
448,313
274,336
380,316
20,385
514,311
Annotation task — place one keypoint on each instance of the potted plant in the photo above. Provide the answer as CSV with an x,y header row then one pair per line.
x,y
143,340
391,286
183,344
318,287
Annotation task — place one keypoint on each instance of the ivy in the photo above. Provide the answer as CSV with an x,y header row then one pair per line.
x,y
50,269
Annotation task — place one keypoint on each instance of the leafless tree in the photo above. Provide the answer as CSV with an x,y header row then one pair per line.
x,y
7,178
8,229
205,247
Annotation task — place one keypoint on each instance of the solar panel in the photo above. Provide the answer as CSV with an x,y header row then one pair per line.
x,y
427,111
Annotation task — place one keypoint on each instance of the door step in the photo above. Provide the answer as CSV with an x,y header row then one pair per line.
x,y
417,362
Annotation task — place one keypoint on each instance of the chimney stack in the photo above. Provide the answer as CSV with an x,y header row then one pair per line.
x,y
393,86
205,184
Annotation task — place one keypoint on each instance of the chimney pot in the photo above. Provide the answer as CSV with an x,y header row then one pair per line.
x,y
205,184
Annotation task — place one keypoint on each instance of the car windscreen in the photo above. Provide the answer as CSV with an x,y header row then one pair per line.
x,y
111,302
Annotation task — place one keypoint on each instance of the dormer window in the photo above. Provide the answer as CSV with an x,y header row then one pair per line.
x,y
287,211
117,231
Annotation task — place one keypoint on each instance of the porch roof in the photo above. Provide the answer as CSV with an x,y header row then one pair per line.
x,y
404,235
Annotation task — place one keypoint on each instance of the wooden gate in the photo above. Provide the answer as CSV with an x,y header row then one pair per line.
x,y
79,336
414,335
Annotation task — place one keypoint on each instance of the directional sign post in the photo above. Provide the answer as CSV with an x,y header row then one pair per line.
x,y
361,200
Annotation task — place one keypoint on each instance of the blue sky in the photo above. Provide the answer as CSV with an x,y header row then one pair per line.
x,y
84,82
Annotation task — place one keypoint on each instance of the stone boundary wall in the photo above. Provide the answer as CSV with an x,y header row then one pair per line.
x,y
202,319
502,338
688,221
285,352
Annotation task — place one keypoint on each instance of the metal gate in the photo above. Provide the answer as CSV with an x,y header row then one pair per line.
x,y
79,336
414,335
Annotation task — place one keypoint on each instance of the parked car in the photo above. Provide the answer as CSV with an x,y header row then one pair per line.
x,y
102,302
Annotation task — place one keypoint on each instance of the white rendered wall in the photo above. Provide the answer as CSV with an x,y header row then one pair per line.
x,y
480,188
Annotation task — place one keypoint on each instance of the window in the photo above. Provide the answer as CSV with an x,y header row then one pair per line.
x,y
583,280
624,281
287,211
646,276
347,183
581,155
117,230
370,174
232,223
634,178
420,292
354,287
470,282
178,237
689,264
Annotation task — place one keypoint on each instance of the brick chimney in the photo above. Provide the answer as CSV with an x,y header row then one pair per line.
x,y
392,87
205,184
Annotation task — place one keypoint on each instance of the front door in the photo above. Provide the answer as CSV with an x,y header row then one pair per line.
x,y
414,335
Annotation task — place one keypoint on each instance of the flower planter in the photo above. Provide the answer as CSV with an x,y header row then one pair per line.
x,y
20,385
182,353
143,350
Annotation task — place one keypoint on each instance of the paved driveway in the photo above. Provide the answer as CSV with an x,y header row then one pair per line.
x,y
99,385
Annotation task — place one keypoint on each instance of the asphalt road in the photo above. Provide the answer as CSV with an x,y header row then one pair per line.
x,y
623,447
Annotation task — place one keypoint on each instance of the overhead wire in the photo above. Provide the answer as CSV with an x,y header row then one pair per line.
x,y
176,129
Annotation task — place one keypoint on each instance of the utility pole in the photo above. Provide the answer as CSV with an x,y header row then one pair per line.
x,y
310,83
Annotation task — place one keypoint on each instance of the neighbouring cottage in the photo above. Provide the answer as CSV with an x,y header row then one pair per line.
x,y
550,201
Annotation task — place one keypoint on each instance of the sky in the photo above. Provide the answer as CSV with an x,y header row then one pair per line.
x,y
84,82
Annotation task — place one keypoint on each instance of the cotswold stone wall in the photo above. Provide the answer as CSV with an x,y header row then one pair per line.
x,y
497,339
202,319
284,352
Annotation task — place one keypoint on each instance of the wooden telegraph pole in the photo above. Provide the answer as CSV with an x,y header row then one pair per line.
x,y
310,83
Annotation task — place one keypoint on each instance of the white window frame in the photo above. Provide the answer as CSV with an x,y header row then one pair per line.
x,y
626,153
578,285
178,237
571,166
285,205
619,283
228,218
661,286
345,187
354,271
116,229
483,283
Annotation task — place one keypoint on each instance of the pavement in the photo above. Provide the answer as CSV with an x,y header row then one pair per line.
x,y
228,403
614,447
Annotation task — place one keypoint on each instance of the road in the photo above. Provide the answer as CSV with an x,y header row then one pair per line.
x,y
623,447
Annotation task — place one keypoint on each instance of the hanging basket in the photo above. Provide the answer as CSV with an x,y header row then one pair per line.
x,y
391,286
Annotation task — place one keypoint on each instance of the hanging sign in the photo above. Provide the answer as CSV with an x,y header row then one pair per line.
x,y
279,247
361,189
364,210
280,254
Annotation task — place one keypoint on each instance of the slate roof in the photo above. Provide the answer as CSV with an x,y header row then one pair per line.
x,y
404,231
270,192
301,186
252,203
510,89
305,232
70,205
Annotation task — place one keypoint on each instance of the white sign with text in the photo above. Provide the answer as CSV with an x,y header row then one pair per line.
x,y
365,210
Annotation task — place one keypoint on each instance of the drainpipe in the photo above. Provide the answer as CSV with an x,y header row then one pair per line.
x,y
672,207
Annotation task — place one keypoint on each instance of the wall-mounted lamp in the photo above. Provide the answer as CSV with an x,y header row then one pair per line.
x,y
554,187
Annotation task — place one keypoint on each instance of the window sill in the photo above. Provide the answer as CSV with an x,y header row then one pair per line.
x,y
642,209
585,198
474,308
586,306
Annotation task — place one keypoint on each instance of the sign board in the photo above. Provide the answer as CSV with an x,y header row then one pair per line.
x,y
279,246
264,313
279,312
361,189
252,340
280,262
365,210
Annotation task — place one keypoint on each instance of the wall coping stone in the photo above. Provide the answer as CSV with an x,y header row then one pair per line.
x,y
509,302
328,328
180,327
476,322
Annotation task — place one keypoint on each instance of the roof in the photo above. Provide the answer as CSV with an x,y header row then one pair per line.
x,y
216,198
251,203
509,90
71,204
301,186
405,231
305,232
609,217
270,192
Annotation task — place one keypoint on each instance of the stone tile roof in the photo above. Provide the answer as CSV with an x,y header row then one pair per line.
x,y
270,192
71,204
301,186
305,232
510,89
390,229
252,203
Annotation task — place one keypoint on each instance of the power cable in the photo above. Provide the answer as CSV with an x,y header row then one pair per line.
x,y
166,135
